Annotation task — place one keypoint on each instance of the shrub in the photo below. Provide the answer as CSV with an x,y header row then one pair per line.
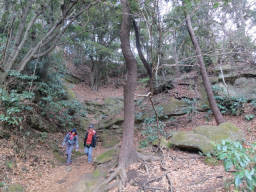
x,y
13,105
26,95
229,105
249,117
150,131
240,159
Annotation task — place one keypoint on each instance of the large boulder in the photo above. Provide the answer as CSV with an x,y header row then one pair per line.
x,y
192,141
107,108
241,88
170,107
115,119
111,137
218,133
203,138
174,107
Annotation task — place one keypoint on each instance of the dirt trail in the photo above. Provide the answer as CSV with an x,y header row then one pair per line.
x,y
62,178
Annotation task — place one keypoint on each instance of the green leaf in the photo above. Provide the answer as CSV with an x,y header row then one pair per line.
x,y
248,175
216,5
228,164
237,181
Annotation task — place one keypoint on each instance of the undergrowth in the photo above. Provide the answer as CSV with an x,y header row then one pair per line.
x,y
153,131
241,161
27,97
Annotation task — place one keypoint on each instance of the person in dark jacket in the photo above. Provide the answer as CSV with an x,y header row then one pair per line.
x,y
71,141
89,142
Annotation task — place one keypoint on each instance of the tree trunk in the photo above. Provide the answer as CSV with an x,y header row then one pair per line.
x,y
142,58
128,152
207,84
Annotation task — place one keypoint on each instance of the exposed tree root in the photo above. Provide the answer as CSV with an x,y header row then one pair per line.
x,y
119,175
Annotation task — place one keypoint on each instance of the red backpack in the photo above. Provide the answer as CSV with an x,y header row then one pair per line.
x,y
91,133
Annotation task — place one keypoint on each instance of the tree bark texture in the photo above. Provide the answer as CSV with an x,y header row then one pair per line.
x,y
207,84
128,152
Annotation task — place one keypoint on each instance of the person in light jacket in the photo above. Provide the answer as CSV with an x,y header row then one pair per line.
x,y
71,141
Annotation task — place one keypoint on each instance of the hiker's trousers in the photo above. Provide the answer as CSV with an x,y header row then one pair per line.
x,y
88,152
69,149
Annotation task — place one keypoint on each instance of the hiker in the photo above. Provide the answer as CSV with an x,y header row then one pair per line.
x,y
89,142
71,141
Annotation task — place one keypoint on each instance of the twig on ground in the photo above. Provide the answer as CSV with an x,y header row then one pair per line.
x,y
170,183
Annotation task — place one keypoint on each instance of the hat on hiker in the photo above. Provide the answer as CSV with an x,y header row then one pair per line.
x,y
91,126
74,130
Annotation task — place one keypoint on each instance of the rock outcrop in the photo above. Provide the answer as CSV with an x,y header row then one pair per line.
x,y
204,138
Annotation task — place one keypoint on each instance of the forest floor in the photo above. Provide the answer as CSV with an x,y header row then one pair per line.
x,y
177,171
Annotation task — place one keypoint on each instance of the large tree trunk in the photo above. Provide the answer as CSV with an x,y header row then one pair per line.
x,y
207,84
128,152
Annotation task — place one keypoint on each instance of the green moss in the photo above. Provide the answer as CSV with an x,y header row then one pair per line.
x,y
15,188
106,156
212,161
174,106
189,140
59,157
1,184
109,139
165,143
70,93
115,119
229,126
218,133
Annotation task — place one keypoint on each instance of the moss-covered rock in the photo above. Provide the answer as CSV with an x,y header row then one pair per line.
x,y
106,156
109,139
171,107
116,119
15,188
205,137
192,141
218,133
174,107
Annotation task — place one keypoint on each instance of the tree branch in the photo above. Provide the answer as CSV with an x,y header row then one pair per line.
x,y
145,63
17,51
